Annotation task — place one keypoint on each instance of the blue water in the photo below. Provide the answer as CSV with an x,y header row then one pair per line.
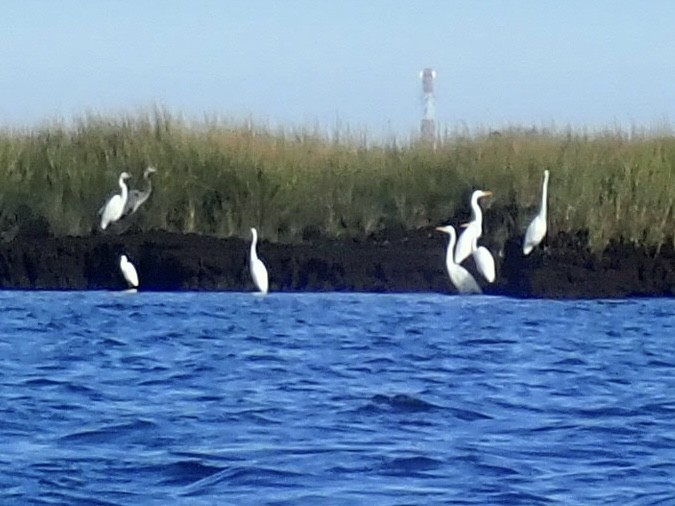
x,y
218,398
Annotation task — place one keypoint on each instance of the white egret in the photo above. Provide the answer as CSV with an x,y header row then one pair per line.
x,y
138,197
459,276
473,230
129,272
485,262
258,269
112,210
536,231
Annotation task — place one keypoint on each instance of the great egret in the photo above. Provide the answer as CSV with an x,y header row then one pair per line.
x,y
459,276
485,262
129,271
536,231
138,197
112,210
258,269
473,229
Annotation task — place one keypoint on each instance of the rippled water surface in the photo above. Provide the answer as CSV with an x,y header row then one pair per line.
x,y
220,398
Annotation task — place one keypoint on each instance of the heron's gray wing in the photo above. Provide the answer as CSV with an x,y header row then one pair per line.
x,y
140,197
130,205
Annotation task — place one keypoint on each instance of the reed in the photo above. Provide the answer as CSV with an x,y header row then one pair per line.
x,y
221,178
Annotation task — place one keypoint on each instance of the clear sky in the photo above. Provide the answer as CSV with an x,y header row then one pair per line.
x,y
585,63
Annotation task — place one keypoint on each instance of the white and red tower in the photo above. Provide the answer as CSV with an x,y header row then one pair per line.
x,y
428,125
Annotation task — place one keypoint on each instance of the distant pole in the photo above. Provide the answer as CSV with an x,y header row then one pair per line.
x,y
428,125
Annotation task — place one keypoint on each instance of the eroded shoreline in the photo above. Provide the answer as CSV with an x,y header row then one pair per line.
x,y
564,268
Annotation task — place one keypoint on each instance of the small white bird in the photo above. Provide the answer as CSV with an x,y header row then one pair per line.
x,y
258,269
459,276
113,209
474,229
129,272
536,231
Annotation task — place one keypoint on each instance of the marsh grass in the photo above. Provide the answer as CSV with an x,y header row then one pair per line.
x,y
220,178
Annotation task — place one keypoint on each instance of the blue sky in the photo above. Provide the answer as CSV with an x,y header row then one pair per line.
x,y
354,62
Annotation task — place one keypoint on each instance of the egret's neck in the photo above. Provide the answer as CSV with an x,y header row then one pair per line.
x,y
254,242
449,254
476,210
123,187
544,195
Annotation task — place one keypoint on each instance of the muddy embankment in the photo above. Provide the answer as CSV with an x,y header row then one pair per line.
x,y
410,262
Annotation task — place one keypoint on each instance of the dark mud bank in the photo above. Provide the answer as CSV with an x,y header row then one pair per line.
x,y
564,268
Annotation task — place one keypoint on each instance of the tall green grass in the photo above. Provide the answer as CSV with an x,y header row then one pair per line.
x,y
219,178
